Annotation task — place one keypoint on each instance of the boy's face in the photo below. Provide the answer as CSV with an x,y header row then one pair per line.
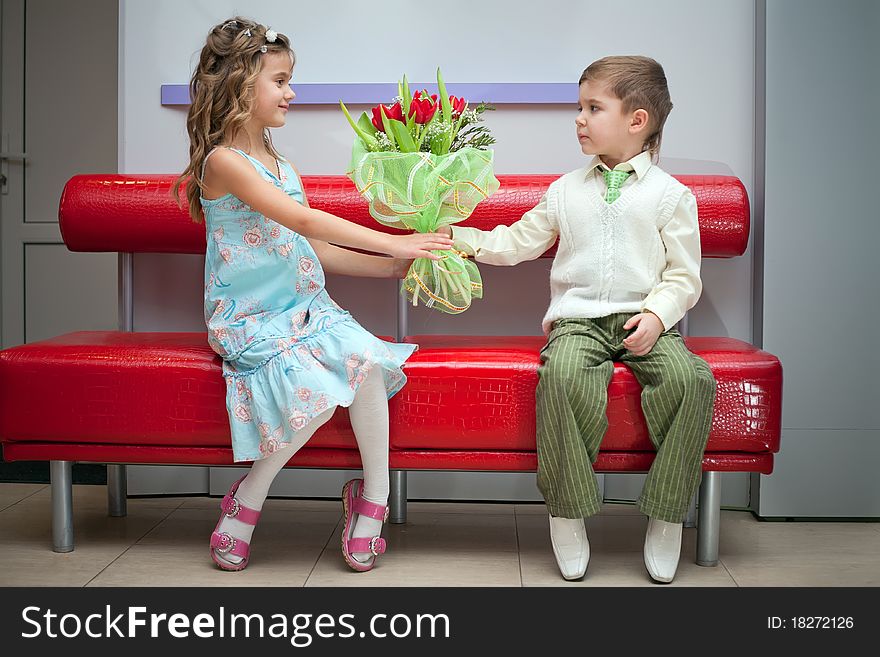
x,y
602,126
272,93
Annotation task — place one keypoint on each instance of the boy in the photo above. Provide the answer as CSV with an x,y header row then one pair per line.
x,y
626,271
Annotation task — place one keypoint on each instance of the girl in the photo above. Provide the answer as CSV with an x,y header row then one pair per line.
x,y
290,354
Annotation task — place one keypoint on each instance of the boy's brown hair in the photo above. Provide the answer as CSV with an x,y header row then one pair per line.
x,y
640,83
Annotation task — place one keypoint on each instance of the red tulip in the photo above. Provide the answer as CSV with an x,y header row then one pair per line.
x,y
423,108
377,119
394,112
458,105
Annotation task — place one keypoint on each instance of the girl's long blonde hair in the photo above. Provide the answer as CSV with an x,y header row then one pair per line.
x,y
222,95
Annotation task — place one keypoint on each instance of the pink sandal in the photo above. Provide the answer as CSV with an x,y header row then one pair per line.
x,y
354,504
223,543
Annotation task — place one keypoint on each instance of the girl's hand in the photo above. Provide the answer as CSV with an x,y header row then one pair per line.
x,y
418,245
445,230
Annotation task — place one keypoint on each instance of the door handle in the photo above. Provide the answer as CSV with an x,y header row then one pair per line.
x,y
6,155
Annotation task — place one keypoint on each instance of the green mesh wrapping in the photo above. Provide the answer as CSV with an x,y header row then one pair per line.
x,y
421,192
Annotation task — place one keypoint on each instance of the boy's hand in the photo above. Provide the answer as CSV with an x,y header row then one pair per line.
x,y
645,337
399,267
445,230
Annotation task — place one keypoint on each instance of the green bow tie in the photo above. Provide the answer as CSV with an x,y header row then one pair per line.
x,y
613,180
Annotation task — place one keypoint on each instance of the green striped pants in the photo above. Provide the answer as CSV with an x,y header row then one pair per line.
x,y
678,395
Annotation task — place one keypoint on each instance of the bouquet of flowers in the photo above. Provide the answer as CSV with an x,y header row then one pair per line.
x,y
422,164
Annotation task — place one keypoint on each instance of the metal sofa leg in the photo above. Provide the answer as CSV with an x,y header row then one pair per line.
x,y
397,500
61,477
690,520
117,491
709,523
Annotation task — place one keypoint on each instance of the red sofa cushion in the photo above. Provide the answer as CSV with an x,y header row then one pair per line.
x,y
467,392
463,394
113,387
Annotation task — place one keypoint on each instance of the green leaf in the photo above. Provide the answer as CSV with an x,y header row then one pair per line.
x,y
368,138
424,129
404,93
386,123
444,98
366,125
439,145
404,139
455,128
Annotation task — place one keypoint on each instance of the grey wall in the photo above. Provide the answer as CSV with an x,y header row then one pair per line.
x,y
707,50
821,271
710,69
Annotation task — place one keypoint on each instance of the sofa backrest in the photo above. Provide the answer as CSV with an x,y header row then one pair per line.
x,y
132,213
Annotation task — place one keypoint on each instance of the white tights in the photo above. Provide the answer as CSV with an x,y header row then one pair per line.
x,y
369,420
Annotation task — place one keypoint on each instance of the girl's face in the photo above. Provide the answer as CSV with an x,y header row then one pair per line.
x,y
272,92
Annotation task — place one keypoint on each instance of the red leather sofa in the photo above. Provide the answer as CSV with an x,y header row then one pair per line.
x,y
121,397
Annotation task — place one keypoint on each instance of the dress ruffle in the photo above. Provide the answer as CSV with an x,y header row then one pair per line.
x,y
279,384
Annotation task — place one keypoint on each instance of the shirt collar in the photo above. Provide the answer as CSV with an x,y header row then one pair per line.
x,y
638,164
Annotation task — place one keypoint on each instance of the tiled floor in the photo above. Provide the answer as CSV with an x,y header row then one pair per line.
x,y
164,541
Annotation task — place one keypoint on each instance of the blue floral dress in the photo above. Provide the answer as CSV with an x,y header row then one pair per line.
x,y
289,351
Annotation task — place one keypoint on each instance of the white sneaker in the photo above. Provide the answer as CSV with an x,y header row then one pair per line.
x,y
570,546
662,549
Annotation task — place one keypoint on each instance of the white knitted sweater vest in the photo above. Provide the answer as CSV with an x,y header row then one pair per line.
x,y
610,257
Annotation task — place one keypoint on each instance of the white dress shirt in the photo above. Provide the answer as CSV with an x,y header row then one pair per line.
x,y
638,254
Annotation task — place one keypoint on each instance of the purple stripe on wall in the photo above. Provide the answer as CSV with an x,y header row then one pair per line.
x,y
498,93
